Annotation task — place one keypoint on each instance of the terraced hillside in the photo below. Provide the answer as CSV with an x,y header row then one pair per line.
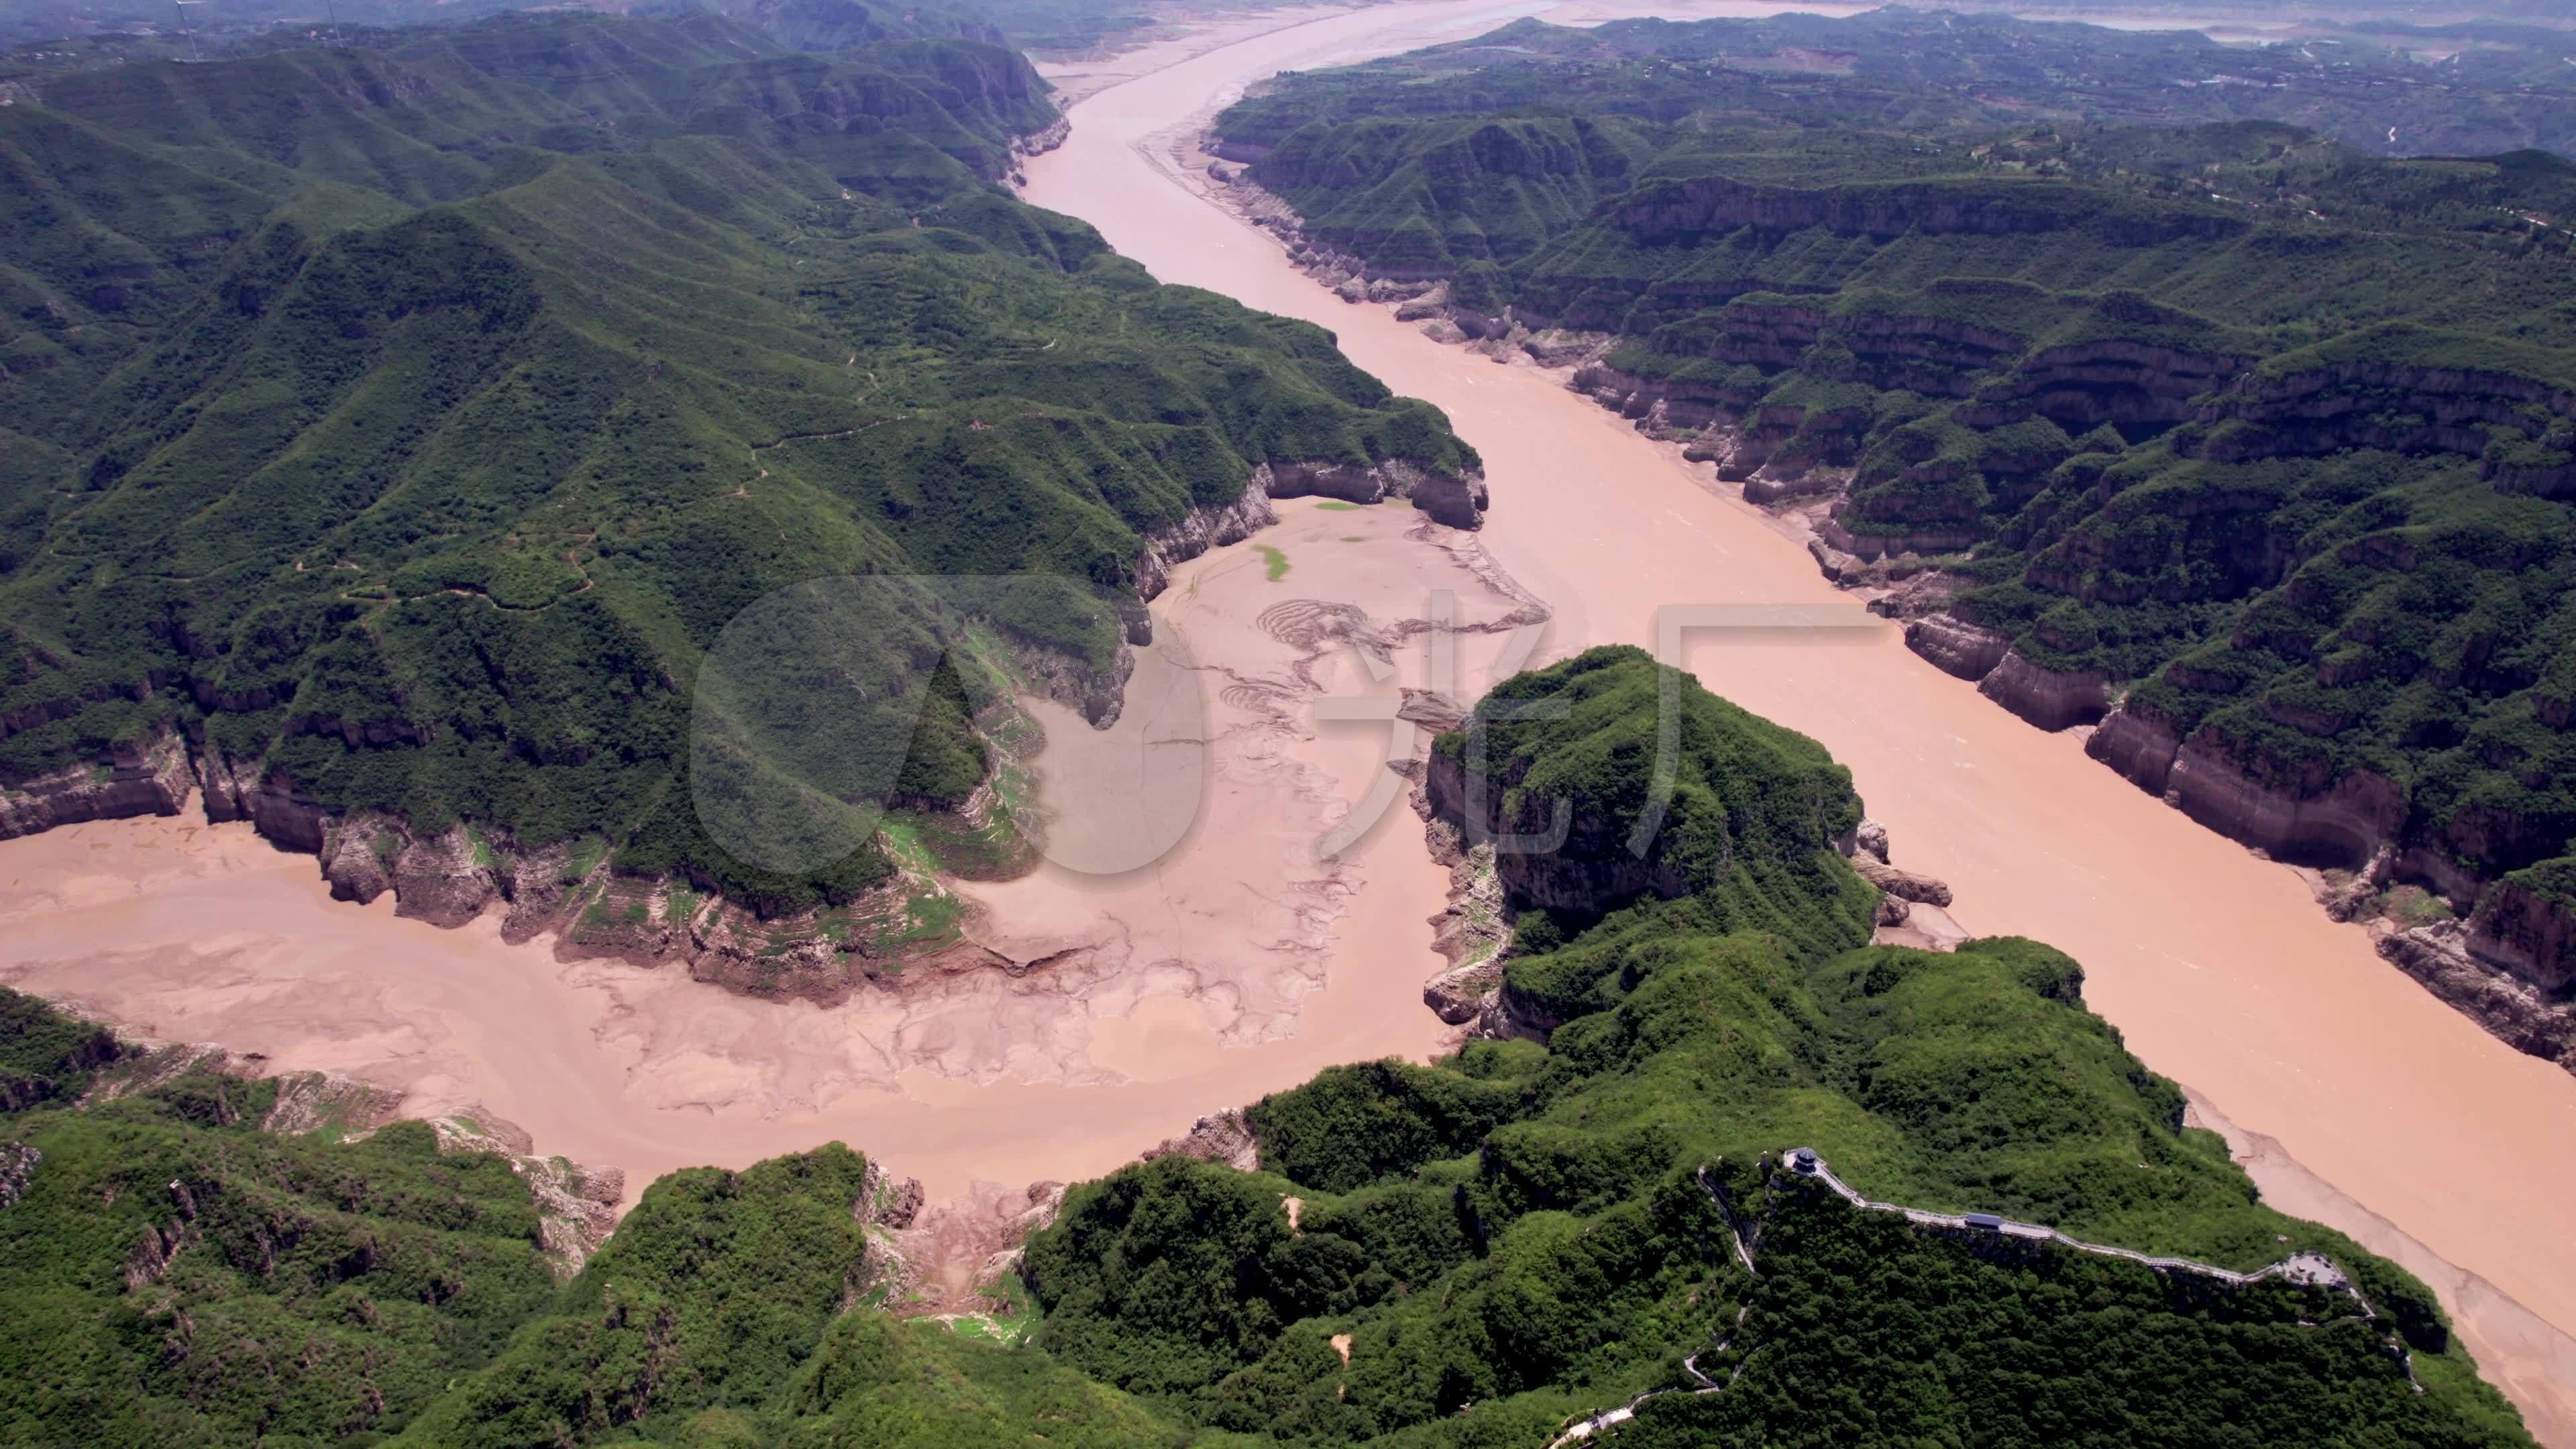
x,y
2242,444
389,433
1588,1212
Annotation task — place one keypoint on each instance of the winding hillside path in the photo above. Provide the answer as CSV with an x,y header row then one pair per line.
x,y
2313,1270
2221,970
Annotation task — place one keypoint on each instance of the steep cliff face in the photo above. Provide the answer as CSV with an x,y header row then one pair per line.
x,y
2139,743
1456,499
2052,699
1197,532
150,777
2397,404
2527,923
2125,382
2524,1016
2343,822
1683,212
1957,647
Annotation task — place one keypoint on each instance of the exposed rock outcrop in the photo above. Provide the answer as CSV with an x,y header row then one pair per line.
x,y
2347,822
446,880
1198,531
1472,933
2342,822
1220,1137
1036,143
157,1244
17,1168
1912,908
2139,744
2528,931
315,1101
151,777
959,1259
576,1206
1902,884
1457,500
1957,647
886,1201
2512,1008
1432,709
2052,699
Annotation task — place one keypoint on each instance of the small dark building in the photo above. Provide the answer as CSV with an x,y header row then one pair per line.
x,y
1802,1161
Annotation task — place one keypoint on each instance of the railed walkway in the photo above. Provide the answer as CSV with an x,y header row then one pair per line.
x,y
2313,1269
2310,1269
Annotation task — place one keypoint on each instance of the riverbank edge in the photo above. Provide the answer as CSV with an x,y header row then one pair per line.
x,y
2468,962
914,925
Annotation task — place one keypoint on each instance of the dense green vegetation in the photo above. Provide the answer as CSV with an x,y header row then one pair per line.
x,y
2458,90
1479,1250
176,1275
2262,433
1743,838
404,424
1527,1231
51,35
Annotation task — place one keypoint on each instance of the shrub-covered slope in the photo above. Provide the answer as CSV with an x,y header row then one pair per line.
x,y
1525,1231
2246,445
1470,1253
190,1261
2470,89
389,433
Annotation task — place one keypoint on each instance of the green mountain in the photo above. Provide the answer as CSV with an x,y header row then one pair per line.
x,y
391,433
2243,444
1478,1252
2388,88
51,33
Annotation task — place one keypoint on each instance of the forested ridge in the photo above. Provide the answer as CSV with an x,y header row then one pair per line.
x,y
1472,1253
2150,381
390,431
50,35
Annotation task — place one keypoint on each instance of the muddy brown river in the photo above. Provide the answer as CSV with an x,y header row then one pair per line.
x,y
1242,963
2374,1106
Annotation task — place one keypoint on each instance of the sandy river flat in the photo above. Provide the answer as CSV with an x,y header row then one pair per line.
x,y
2220,969
1241,963
1237,963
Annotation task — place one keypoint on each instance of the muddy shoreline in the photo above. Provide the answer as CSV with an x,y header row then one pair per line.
x,y
1238,963
2221,972
2223,977
2450,959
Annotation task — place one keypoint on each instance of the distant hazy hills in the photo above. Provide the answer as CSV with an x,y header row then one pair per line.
x,y
221,27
